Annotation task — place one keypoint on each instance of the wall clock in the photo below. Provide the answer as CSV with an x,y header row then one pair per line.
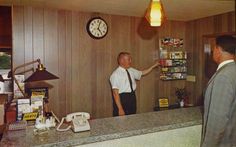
x,y
97,28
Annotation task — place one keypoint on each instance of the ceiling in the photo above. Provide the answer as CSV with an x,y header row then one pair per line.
x,y
183,10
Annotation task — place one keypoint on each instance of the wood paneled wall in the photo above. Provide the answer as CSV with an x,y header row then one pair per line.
x,y
195,31
60,40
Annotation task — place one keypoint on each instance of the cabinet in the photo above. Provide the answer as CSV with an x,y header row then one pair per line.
x,y
6,50
5,28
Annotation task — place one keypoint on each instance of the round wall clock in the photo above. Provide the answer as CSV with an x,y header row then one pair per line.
x,y
97,28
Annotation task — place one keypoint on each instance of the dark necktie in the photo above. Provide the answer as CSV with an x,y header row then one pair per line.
x,y
130,81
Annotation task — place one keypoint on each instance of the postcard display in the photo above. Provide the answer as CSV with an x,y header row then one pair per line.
x,y
30,108
173,59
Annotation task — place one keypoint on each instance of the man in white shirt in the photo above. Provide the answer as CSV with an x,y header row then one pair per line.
x,y
219,125
123,82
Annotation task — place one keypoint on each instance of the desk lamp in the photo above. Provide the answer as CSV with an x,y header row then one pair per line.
x,y
40,74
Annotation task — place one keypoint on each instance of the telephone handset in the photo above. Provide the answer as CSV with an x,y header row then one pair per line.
x,y
79,122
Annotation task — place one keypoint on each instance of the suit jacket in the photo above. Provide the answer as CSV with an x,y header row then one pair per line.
x,y
219,122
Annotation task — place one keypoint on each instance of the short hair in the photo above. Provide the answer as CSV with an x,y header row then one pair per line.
x,y
227,43
122,54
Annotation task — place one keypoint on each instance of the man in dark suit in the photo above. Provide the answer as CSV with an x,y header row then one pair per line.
x,y
219,125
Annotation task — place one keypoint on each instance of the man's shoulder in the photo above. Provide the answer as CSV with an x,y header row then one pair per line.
x,y
229,69
133,69
116,72
229,72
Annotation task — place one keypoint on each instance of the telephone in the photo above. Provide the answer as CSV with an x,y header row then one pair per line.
x,y
79,122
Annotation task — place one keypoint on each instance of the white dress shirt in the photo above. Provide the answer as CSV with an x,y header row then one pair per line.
x,y
224,63
119,79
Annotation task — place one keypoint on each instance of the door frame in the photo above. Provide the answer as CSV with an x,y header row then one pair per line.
x,y
204,37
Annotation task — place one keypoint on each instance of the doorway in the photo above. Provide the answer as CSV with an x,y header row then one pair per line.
x,y
209,42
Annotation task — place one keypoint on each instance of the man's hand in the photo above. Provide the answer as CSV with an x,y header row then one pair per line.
x,y
115,93
147,71
121,112
156,64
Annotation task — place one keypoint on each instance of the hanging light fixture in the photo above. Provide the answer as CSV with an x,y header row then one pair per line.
x,y
154,13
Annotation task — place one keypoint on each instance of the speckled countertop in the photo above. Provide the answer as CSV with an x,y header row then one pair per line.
x,y
108,128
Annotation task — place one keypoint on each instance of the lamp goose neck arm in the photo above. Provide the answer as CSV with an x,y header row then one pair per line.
x,y
21,66
25,64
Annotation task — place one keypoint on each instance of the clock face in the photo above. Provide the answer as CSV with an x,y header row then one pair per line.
x,y
97,28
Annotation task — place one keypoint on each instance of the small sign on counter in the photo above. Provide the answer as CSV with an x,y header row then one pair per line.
x,y
163,102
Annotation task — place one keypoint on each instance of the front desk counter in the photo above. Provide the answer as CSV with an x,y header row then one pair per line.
x,y
108,129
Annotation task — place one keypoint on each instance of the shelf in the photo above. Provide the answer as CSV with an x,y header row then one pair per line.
x,y
172,59
172,79
5,46
173,63
174,69
173,66
173,72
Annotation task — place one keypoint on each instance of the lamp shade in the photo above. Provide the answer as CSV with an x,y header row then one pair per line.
x,y
154,13
41,75
1,78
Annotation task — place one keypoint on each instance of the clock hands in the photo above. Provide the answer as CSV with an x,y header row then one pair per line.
x,y
100,31
98,28
99,24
